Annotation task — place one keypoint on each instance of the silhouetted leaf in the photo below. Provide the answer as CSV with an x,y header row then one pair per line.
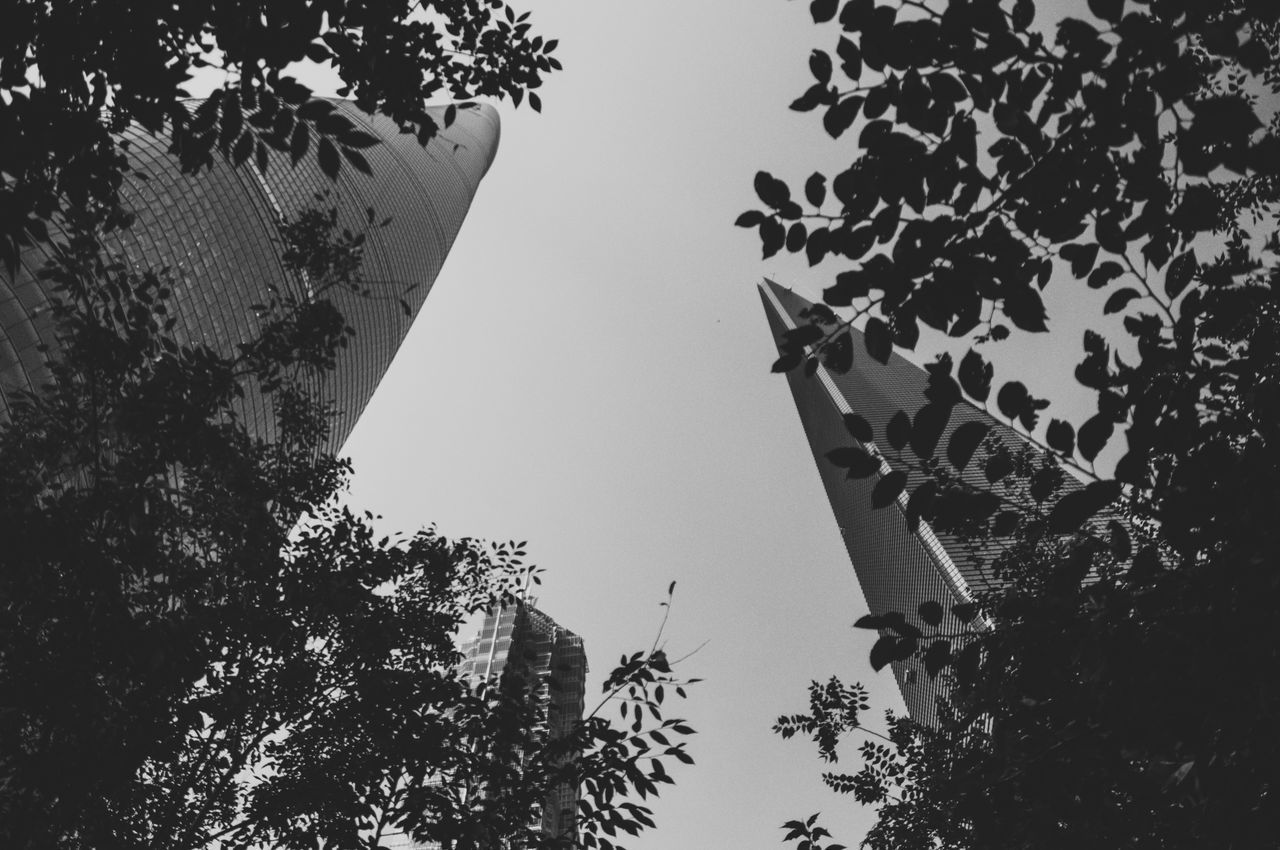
x,y
965,611
858,427
823,10
1104,274
815,189
1120,299
920,503
1081,257
772,237
975,376
840,116
898,431
856,460
964,442
878,340
1094,434
926,430
772,191
888,489
1061,437
1012,399
937,656
1075,508
998,466
930,612
750,218
787,361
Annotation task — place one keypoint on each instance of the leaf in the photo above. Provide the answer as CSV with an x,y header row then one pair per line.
x,y
858,427
965,611
357,160
871,621
820,66
328,157
920,503
750,218
772,237
1120,299
1024,12
926,430
1074,509
1012,399
1108,10
299,142
787,361
898,431
930,612
859,463
850,58
815,189
938,655
1061,437
975,375
1023,306
888,489
883,652
1181,270
771,190
840,116
823,10
964,442
1094,435
1104,274
878,340
1081,257
998,466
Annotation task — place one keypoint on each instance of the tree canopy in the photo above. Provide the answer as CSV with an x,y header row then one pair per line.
x,y
73,74
201,645
1114,690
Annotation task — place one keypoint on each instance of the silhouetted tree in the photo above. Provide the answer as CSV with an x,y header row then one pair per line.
x,y
1115,690
202,646
73,74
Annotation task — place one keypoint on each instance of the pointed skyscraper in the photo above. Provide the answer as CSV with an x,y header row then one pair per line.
x,y
897,567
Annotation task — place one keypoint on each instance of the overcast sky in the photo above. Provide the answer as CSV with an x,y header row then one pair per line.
x,y
591,373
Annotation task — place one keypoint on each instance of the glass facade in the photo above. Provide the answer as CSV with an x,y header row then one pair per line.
x,y
216,234
896,567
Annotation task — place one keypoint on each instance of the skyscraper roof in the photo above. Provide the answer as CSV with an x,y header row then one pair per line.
x,y
216,234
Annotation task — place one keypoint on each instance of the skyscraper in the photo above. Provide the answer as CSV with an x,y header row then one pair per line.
x,y
216,232
896,567
554,661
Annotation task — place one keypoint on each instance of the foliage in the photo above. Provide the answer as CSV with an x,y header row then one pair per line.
x,y
72,74
202,646
1130,149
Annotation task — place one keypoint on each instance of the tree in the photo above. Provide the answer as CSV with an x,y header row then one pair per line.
x,y
1129,148
73,74
201,646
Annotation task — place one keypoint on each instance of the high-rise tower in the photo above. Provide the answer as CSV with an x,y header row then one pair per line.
x,y
897,567
554,662
216,232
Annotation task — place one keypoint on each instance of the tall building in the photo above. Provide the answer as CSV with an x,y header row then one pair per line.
x,y
552,660
896,567
555,661
216,232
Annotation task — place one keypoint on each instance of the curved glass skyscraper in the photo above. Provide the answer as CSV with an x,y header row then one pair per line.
x,y
216,233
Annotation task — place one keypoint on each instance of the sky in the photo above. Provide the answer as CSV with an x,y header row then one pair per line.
x,y
591,373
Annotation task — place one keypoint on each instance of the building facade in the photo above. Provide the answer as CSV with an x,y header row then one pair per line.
x,y
897,567
554,660
217,234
